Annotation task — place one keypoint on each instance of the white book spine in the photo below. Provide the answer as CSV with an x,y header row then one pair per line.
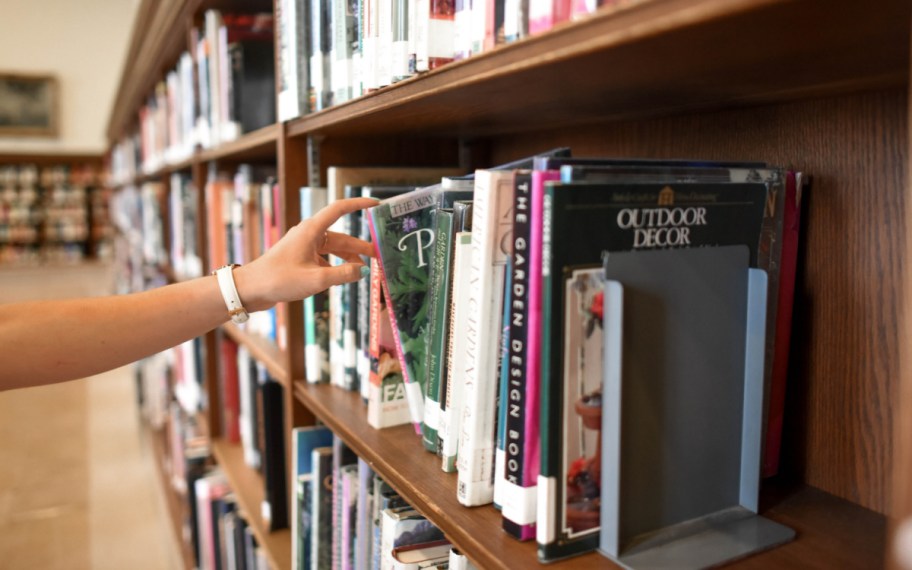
x,y
287,99
456,373
491,223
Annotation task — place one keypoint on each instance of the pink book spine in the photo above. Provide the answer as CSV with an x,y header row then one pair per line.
x,y
533,362
392,316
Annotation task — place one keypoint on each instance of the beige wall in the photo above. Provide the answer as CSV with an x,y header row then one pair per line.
x,y
82,42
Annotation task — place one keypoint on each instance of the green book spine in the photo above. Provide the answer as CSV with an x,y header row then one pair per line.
x,y
437,329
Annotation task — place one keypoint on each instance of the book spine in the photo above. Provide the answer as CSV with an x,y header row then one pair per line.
x,y
351,226
363,322
500,455
545,533
492,202
437,327
341,54
519,492
363,532
275,506
231,404
321,538
455,395
349,489
286,59
787,270
303,518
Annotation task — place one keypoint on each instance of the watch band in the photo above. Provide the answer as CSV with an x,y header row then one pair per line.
x,y
236,310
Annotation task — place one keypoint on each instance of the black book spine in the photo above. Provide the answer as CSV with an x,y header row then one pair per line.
x,y
518,298
276,494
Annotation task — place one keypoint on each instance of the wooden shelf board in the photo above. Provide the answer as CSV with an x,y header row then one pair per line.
x,y
175,503
258,144
262,350
829,528
645,59
247,486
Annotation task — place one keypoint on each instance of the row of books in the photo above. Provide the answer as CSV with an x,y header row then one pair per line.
x,y
222,87
171,398
225,539
345,516
244,218
44,212
489,341
331,52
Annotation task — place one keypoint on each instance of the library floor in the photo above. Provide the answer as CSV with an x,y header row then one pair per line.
x,y
78,487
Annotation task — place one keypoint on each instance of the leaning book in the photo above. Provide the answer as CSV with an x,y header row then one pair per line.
x,y
402,229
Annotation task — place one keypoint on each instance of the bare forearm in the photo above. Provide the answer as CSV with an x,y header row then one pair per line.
x,y
53,341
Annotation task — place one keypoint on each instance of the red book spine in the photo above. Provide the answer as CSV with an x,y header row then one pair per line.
x,y
231,397
788,267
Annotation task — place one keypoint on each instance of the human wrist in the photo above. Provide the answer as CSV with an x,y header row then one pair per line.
x,y
252,290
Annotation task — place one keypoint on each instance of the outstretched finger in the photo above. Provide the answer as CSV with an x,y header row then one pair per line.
x,y
326,217
341,244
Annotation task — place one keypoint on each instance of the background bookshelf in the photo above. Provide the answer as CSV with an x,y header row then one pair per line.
x,y
52,209
821,86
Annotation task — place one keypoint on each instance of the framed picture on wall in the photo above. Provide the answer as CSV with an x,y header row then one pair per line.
x,y
29,105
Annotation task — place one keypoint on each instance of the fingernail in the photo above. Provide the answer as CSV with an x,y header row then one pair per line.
x,y
365,271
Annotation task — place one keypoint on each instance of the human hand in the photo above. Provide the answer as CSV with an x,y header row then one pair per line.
x,y
294,268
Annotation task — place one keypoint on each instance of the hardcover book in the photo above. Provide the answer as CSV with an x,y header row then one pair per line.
x,y
402,228
320,95
520,400
491,225
453,190
775,250
349,509
316,307
423,555
275,476
582,221
459,307
404,526
343,460
366,498
351,225
337,179
304,441
322,534
293,58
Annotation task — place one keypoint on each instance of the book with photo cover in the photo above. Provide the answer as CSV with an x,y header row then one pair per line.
x,y
583,221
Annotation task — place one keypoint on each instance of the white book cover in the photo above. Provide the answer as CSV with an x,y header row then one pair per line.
x,y
459,306
491,224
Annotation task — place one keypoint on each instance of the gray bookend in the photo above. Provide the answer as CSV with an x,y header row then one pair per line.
x,y
682,409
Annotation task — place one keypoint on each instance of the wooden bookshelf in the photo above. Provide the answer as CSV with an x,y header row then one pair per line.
x,y
817,85
175,502
262,350
829,528
247,486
